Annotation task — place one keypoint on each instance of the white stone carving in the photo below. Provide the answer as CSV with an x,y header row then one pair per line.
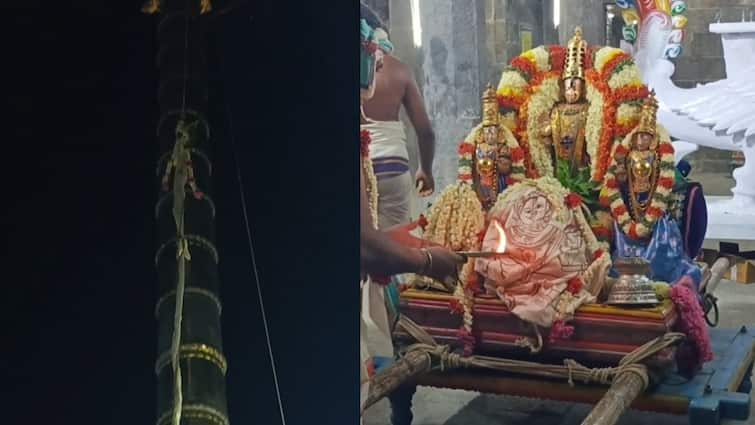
x,y
719,115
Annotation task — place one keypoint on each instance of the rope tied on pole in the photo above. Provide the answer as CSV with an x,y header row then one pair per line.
x,y
427,355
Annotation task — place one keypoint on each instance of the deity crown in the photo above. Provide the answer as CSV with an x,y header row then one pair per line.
x,y
575,56
648,115
490,112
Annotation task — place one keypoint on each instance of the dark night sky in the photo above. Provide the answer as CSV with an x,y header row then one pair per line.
x,y
78,158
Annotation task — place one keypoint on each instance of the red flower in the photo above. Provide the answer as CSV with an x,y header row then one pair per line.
x,y
633,231
365,139
524,65
654,211
666,182
560,330
624,94
598,253
573,200
574,285
517,154
422,222
609,67
473,283
624,129
558,54
465,148
612,184
620,210
621,151
455,306
602,232
510,102
588,57
666,148
371,46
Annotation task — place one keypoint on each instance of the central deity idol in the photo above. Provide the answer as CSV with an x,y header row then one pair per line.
x,y
565,128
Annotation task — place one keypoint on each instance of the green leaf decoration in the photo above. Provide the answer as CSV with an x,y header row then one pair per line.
x,y
577,180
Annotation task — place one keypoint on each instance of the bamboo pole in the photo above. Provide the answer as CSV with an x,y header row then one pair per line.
x,y
405,369
717,271
626,387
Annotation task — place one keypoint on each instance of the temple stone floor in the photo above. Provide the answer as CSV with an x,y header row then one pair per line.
x,y
450,407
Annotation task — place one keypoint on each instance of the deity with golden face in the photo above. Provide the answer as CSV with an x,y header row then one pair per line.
x,y
565,128
492,157
641,165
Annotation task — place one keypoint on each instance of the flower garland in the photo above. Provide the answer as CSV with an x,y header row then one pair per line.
x,y
456,218
463,302
540,56
467,150
370,181
640,228
600,124
545,94
529,89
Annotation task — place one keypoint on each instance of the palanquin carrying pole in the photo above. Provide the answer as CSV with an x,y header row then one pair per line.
x,y
190,363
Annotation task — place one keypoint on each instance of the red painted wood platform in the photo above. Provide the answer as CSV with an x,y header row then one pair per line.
x,y
602,334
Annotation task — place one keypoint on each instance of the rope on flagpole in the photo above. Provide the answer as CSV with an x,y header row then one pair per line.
x,y
255,271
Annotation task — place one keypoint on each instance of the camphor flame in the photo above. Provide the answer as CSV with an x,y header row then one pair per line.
x,y
501,248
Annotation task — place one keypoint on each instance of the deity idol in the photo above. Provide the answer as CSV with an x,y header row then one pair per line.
x,y
565,129
640,168
490,153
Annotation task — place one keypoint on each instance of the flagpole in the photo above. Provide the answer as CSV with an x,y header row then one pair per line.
x,y
190,364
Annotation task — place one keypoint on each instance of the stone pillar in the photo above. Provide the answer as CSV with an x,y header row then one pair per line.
x,y
381,7
589,14
550,32
402,37
454,71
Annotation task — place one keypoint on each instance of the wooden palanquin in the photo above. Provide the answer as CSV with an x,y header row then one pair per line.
x,y
602,334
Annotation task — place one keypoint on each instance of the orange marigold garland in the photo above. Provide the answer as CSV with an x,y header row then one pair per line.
x,y
524,66
558,56
614,63
607,130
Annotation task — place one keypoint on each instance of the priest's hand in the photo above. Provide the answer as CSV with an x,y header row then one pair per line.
x,y
425,183
444,264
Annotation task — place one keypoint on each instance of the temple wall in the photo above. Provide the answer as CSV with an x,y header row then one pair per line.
x,y
510,26
454,69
